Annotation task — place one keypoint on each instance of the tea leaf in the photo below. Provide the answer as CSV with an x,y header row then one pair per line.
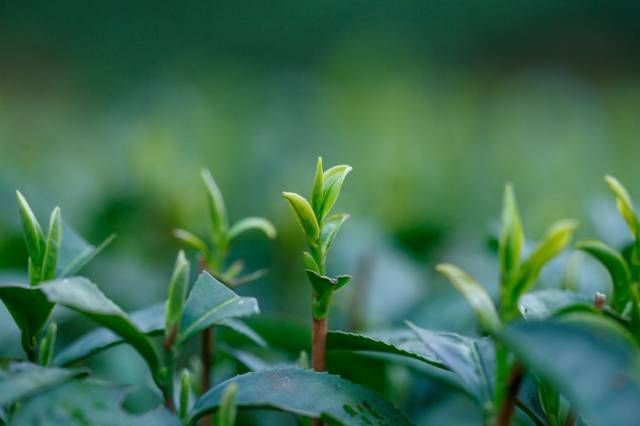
x,y
617,268
23,380
555,240
29,309
209,303
250,223
82,295
333,179
305,393
226,415
471,360
511,237
52,247
177,293
87,402
330,229
217,210
80,255
323,288
45,353
185,393
148,320
310,262
543,304
317,194
593,367
624,203
475,295
33,235
191,240
304,214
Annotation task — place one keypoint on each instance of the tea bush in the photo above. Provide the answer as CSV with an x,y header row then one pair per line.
x,y
558,356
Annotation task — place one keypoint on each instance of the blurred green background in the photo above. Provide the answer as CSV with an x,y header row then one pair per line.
x,y
110,109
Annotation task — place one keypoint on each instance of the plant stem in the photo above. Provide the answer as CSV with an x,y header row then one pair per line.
x,y
167,390
509,404
318,344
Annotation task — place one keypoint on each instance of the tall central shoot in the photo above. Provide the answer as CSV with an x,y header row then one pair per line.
x,y
320,230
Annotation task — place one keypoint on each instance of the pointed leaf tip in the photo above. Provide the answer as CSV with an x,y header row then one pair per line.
x,y
304,214
624,203
475,294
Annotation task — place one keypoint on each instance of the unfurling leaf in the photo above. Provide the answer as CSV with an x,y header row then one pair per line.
x,y
333,179
33,235
554,241
176,295
511,237
617,268
226,415
250,223
47,344
191,240
304,214
475,295
330,229
185,394
624,203
318,188
217,210
52,247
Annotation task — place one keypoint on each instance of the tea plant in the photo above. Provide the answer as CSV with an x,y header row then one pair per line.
x,y
320,231
542,356
213,255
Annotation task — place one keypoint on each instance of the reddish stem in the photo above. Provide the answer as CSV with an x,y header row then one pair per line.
x,y
509,404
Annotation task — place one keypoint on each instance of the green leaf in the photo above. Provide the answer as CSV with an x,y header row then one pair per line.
x,y
209,303
45,351
226,415
511,237
323,288
149,320
250,223
617,267
29,309
243,329
471,360
310,262
593,367
217,210
475,295
23,380
317,194
87,402
304,215
555,240
177,294
544,304
185,394
191,240
52,247
330,229
414,348
305,393
33,235
82,295
624,203
75,253
333,179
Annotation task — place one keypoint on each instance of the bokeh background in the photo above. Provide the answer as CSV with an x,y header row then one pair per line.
x,y
110,109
